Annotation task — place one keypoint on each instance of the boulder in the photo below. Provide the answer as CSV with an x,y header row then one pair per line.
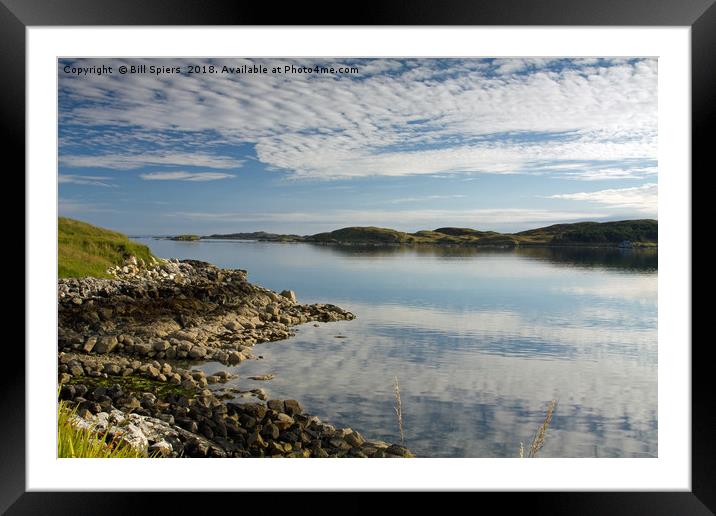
x,y
355,439
233,326
161,448
292,407
396,450
185,345
142,348
197,352
76,370
89,344
105,344
112,369
270,431
255,410
283,421
160,345
276,405
289,294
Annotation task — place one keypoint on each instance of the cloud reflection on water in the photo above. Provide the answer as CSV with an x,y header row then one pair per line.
x,y
481,341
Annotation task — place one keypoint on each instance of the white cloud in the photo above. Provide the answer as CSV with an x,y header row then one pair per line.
x,y
184,176
85,180
495,158
424,198
134,161
601,174
384,123
641,198
595,171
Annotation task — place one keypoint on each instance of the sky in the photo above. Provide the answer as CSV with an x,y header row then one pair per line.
x,y
492,144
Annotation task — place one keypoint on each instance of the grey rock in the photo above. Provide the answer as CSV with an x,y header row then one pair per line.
x,y
89,344
197,352
105,344
292,407
161,448
255,410
247,421
113,369
355,439
233,326
160,345
185,345
398,451
276,405
283,421
289,294
270,431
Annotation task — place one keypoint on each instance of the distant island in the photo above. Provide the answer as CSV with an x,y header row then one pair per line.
x,y
186,238
624,233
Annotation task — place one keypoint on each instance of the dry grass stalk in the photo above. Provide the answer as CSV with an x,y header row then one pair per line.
x,y
538,439
399,410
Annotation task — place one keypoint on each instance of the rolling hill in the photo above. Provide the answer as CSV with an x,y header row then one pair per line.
x,y
638,233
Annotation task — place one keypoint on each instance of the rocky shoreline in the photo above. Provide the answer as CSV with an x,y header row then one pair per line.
x,y
127,346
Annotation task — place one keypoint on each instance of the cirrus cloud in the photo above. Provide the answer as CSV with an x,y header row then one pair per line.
x,y
135,161
641,198
184,176
395,118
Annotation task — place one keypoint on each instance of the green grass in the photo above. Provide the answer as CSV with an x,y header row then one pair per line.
x,y
73,442
86,250
134,384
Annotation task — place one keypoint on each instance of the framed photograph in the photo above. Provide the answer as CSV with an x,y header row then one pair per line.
x,y
421,245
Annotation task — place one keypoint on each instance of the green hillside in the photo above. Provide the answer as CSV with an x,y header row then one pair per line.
x,y
640,233
86,250
635,231
370,235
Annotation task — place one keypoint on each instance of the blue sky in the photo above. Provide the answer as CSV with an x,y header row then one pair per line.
x,y
500,144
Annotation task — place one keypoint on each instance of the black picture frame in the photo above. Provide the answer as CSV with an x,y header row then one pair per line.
x,y
700,15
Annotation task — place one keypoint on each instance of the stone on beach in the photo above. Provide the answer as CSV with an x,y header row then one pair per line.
x,y
118,341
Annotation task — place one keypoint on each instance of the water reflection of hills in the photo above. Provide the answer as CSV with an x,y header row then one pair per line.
x,y
644,260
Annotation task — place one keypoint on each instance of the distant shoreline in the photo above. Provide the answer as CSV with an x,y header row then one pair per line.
x,y
637,247
626,234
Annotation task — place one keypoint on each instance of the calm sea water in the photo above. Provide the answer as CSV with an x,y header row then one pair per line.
x,y
480,342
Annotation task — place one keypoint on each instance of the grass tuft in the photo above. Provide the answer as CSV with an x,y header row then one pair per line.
x,y
399,410
73,442
86,250
539,437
